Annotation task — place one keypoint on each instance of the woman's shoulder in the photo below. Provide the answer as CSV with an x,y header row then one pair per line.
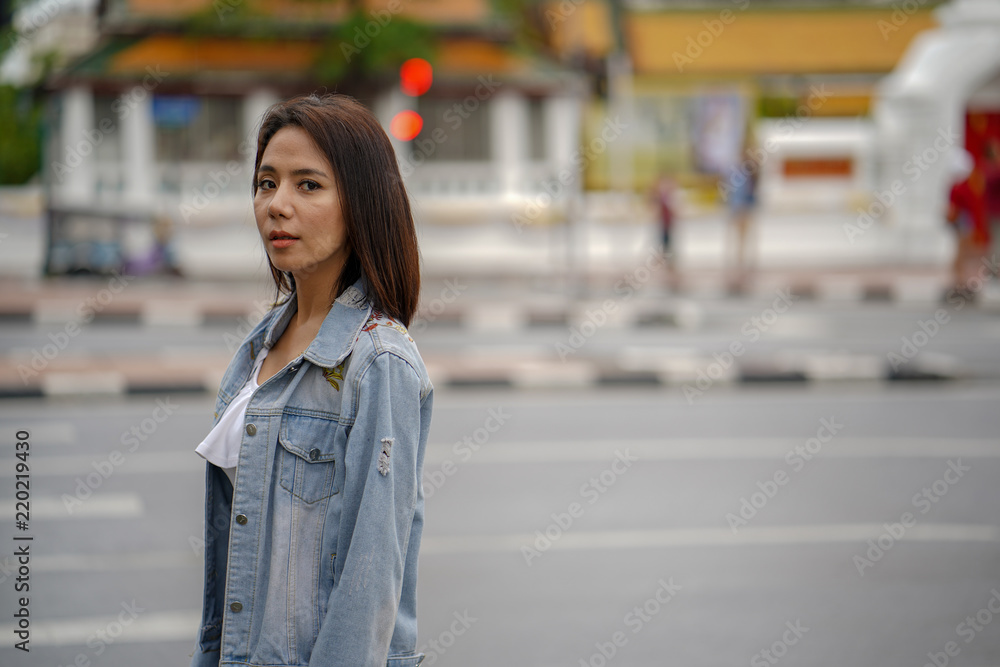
x,y
384,336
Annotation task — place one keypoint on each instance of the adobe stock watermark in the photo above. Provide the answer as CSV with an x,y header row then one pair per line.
x,y
595,318
752,330
450,293
197,201
778,649
796,459
34,18
8,568
225,7
380,18
923,501
915,167
591,491
974,284
86,311
455,115
635,620
132,439
565,9
121,107
463,450
697,45
99,641
967,630
554,187
927,329
203,196
440,645
245,325
901,13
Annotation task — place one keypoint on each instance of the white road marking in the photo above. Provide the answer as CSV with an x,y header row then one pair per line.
x,y
735,449
97,506
39,433
116,562
147,626
710,449
132,463
460,401
431,545
709,537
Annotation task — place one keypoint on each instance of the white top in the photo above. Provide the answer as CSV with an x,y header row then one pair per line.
x,y
222,445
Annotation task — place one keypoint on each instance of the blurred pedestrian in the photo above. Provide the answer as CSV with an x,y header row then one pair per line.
x,y
740,194
663,195
967,217
322,416
161,258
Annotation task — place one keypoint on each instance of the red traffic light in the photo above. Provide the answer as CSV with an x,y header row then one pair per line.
x,y
406,125
415,76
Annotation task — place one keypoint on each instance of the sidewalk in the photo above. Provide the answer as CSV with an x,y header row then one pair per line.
x,y
472,304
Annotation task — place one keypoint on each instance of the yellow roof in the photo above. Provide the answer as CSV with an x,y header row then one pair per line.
x,y
188,55
430,11
763,42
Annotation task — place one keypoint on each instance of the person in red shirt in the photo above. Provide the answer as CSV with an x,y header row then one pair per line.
x,y
663,195
967,215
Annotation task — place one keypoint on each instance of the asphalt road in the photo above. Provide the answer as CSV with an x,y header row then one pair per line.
x,y
954,334
590,527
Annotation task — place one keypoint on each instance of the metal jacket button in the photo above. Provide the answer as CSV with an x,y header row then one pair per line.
x,y
241,519
236,606
251,429
313,454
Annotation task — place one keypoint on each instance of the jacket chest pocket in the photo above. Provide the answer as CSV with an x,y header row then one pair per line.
x,y
308,463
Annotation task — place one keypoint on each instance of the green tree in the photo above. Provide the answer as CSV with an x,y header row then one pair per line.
x,y
21,148
363,46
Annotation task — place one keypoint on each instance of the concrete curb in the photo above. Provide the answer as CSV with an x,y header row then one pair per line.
x,y
697,374
472,315
190,303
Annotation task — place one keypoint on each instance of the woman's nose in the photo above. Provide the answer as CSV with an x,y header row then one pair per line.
x,y
280,204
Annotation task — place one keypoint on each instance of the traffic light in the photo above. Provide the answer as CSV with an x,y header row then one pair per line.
x,y
406,125
415,77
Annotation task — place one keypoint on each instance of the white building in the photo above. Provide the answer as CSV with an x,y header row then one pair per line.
x,y
920,118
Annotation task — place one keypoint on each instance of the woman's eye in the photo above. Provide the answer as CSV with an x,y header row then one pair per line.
x,y
265,183
310,185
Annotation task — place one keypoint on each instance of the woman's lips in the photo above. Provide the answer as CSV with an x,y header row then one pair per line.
x,y
282,242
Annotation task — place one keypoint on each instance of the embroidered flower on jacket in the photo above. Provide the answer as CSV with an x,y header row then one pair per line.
x,y
378,318
334,374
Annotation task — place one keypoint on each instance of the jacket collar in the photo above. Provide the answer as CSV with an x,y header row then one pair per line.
x,y
339,330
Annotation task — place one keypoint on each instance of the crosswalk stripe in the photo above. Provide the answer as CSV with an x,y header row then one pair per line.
x,y
792,535
97,506
431,545
130,463
121,628
187,461
716,449
39,433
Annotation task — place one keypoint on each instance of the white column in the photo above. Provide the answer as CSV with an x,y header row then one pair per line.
x,y
254,106
387,105
509,139
139,150
562,128
73,152
620,106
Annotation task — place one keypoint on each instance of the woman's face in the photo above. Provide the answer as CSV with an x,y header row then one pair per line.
x,y
297,198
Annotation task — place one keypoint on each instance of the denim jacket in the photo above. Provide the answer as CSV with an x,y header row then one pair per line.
x,y
312,558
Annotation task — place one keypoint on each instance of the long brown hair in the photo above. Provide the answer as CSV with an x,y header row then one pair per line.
x,y
376,208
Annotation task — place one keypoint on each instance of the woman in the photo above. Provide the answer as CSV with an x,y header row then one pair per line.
x,y
325,408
